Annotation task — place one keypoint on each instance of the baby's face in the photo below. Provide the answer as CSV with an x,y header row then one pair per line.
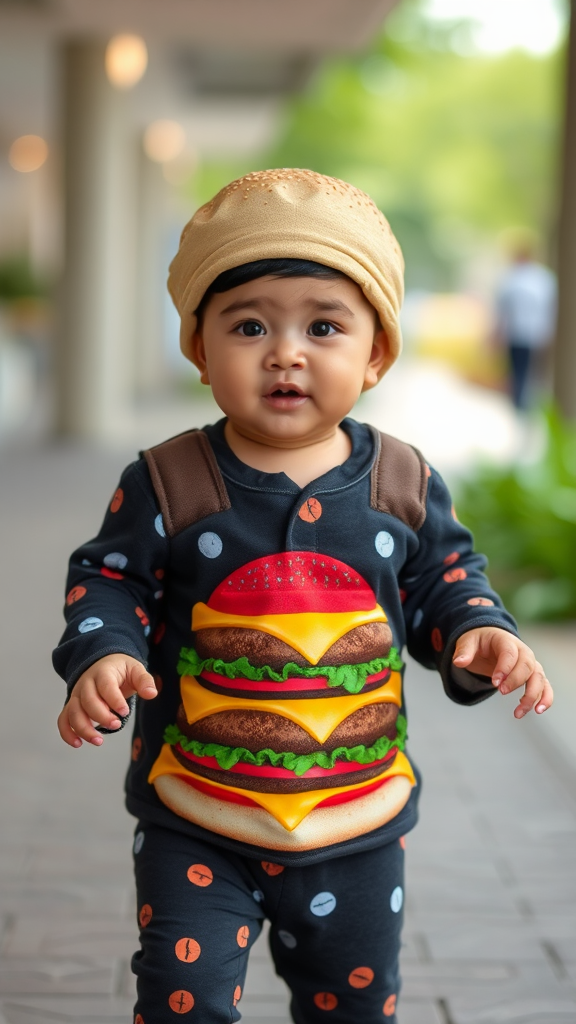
x,y
287,358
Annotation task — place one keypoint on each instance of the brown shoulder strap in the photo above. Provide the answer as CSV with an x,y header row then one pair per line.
x,y
187,480
399,480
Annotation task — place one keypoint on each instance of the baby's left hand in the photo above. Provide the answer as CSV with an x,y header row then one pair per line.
x,y
494,652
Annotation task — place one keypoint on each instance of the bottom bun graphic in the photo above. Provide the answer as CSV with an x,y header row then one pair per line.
x,y
323,826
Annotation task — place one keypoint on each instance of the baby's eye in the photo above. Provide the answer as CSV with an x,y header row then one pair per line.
x,y
321,329
251,329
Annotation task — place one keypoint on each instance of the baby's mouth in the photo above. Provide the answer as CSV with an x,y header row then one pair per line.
x,y
285,396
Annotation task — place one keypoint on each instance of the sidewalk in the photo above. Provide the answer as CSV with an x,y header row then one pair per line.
x,y
491,897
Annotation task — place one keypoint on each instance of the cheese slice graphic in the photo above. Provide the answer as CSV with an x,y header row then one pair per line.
x,y
319,717
309,633
288,808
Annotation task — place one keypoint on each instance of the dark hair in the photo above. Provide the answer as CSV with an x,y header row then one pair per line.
x,y
264,268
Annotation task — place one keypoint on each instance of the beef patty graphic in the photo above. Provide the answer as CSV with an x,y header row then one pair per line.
x,y
258,751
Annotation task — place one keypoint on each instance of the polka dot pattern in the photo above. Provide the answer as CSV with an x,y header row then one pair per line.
x,y
287,938
210,545
200,875
181,1001
326,1000
384,544
310,511
396,900
145,915
87,625
115,560
436,639
323,904
187,950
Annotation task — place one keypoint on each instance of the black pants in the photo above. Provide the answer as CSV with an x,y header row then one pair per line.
x,y
334,937
521,358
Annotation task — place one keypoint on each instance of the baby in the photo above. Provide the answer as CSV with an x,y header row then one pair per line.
x,y
255,584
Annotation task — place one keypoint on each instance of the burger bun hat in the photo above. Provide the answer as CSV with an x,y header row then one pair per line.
x,y
290,214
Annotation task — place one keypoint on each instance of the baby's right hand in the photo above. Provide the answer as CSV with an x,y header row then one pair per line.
x,y
99,692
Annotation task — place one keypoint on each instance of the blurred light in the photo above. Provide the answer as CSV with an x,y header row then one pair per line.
x,y
28,153
501,25
164,141
126,60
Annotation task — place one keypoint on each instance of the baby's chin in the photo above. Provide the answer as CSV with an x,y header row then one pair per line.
x,y
281,431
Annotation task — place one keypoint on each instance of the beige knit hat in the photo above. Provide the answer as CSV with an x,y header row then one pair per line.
x,y
297,214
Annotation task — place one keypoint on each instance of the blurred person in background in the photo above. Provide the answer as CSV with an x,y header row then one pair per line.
x,y
525,317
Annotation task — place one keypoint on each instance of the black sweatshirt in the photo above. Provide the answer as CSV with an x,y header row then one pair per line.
x,y
131,590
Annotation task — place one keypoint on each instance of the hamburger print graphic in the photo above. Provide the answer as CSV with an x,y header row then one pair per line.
x,y
289,734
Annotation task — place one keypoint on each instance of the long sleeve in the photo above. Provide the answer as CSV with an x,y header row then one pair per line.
x,y
114,584
447,593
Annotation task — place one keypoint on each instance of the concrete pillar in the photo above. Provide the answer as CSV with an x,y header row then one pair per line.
x,y
150,366
565,348
94,355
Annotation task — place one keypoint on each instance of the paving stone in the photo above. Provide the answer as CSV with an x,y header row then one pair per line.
x,y
55,976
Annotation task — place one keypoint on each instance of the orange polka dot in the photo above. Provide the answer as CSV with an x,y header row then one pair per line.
x,y
142,616
237,995
311,510
484,601
326,1000
145,915
361,977
242,936
451,558
136,748
403,596
117,500
389,1007
111,573
272,869
437,641
139,1019
200,875
181,1001
187,950
159,632
428,470
75,594
453,575
402,842
159,574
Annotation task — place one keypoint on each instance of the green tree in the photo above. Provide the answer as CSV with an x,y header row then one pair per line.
x,y
454,148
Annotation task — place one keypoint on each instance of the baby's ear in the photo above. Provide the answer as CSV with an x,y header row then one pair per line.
x,y
198,356
378,359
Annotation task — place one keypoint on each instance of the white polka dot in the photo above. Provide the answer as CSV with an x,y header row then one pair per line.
x,y
288,939
86,561
158,594
384,543
89,624
257,895
115,560
146,630
138,842
418,616
210,544
159,525
396,899
323,904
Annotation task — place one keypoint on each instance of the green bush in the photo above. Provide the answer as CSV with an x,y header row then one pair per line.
x,y
523,518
